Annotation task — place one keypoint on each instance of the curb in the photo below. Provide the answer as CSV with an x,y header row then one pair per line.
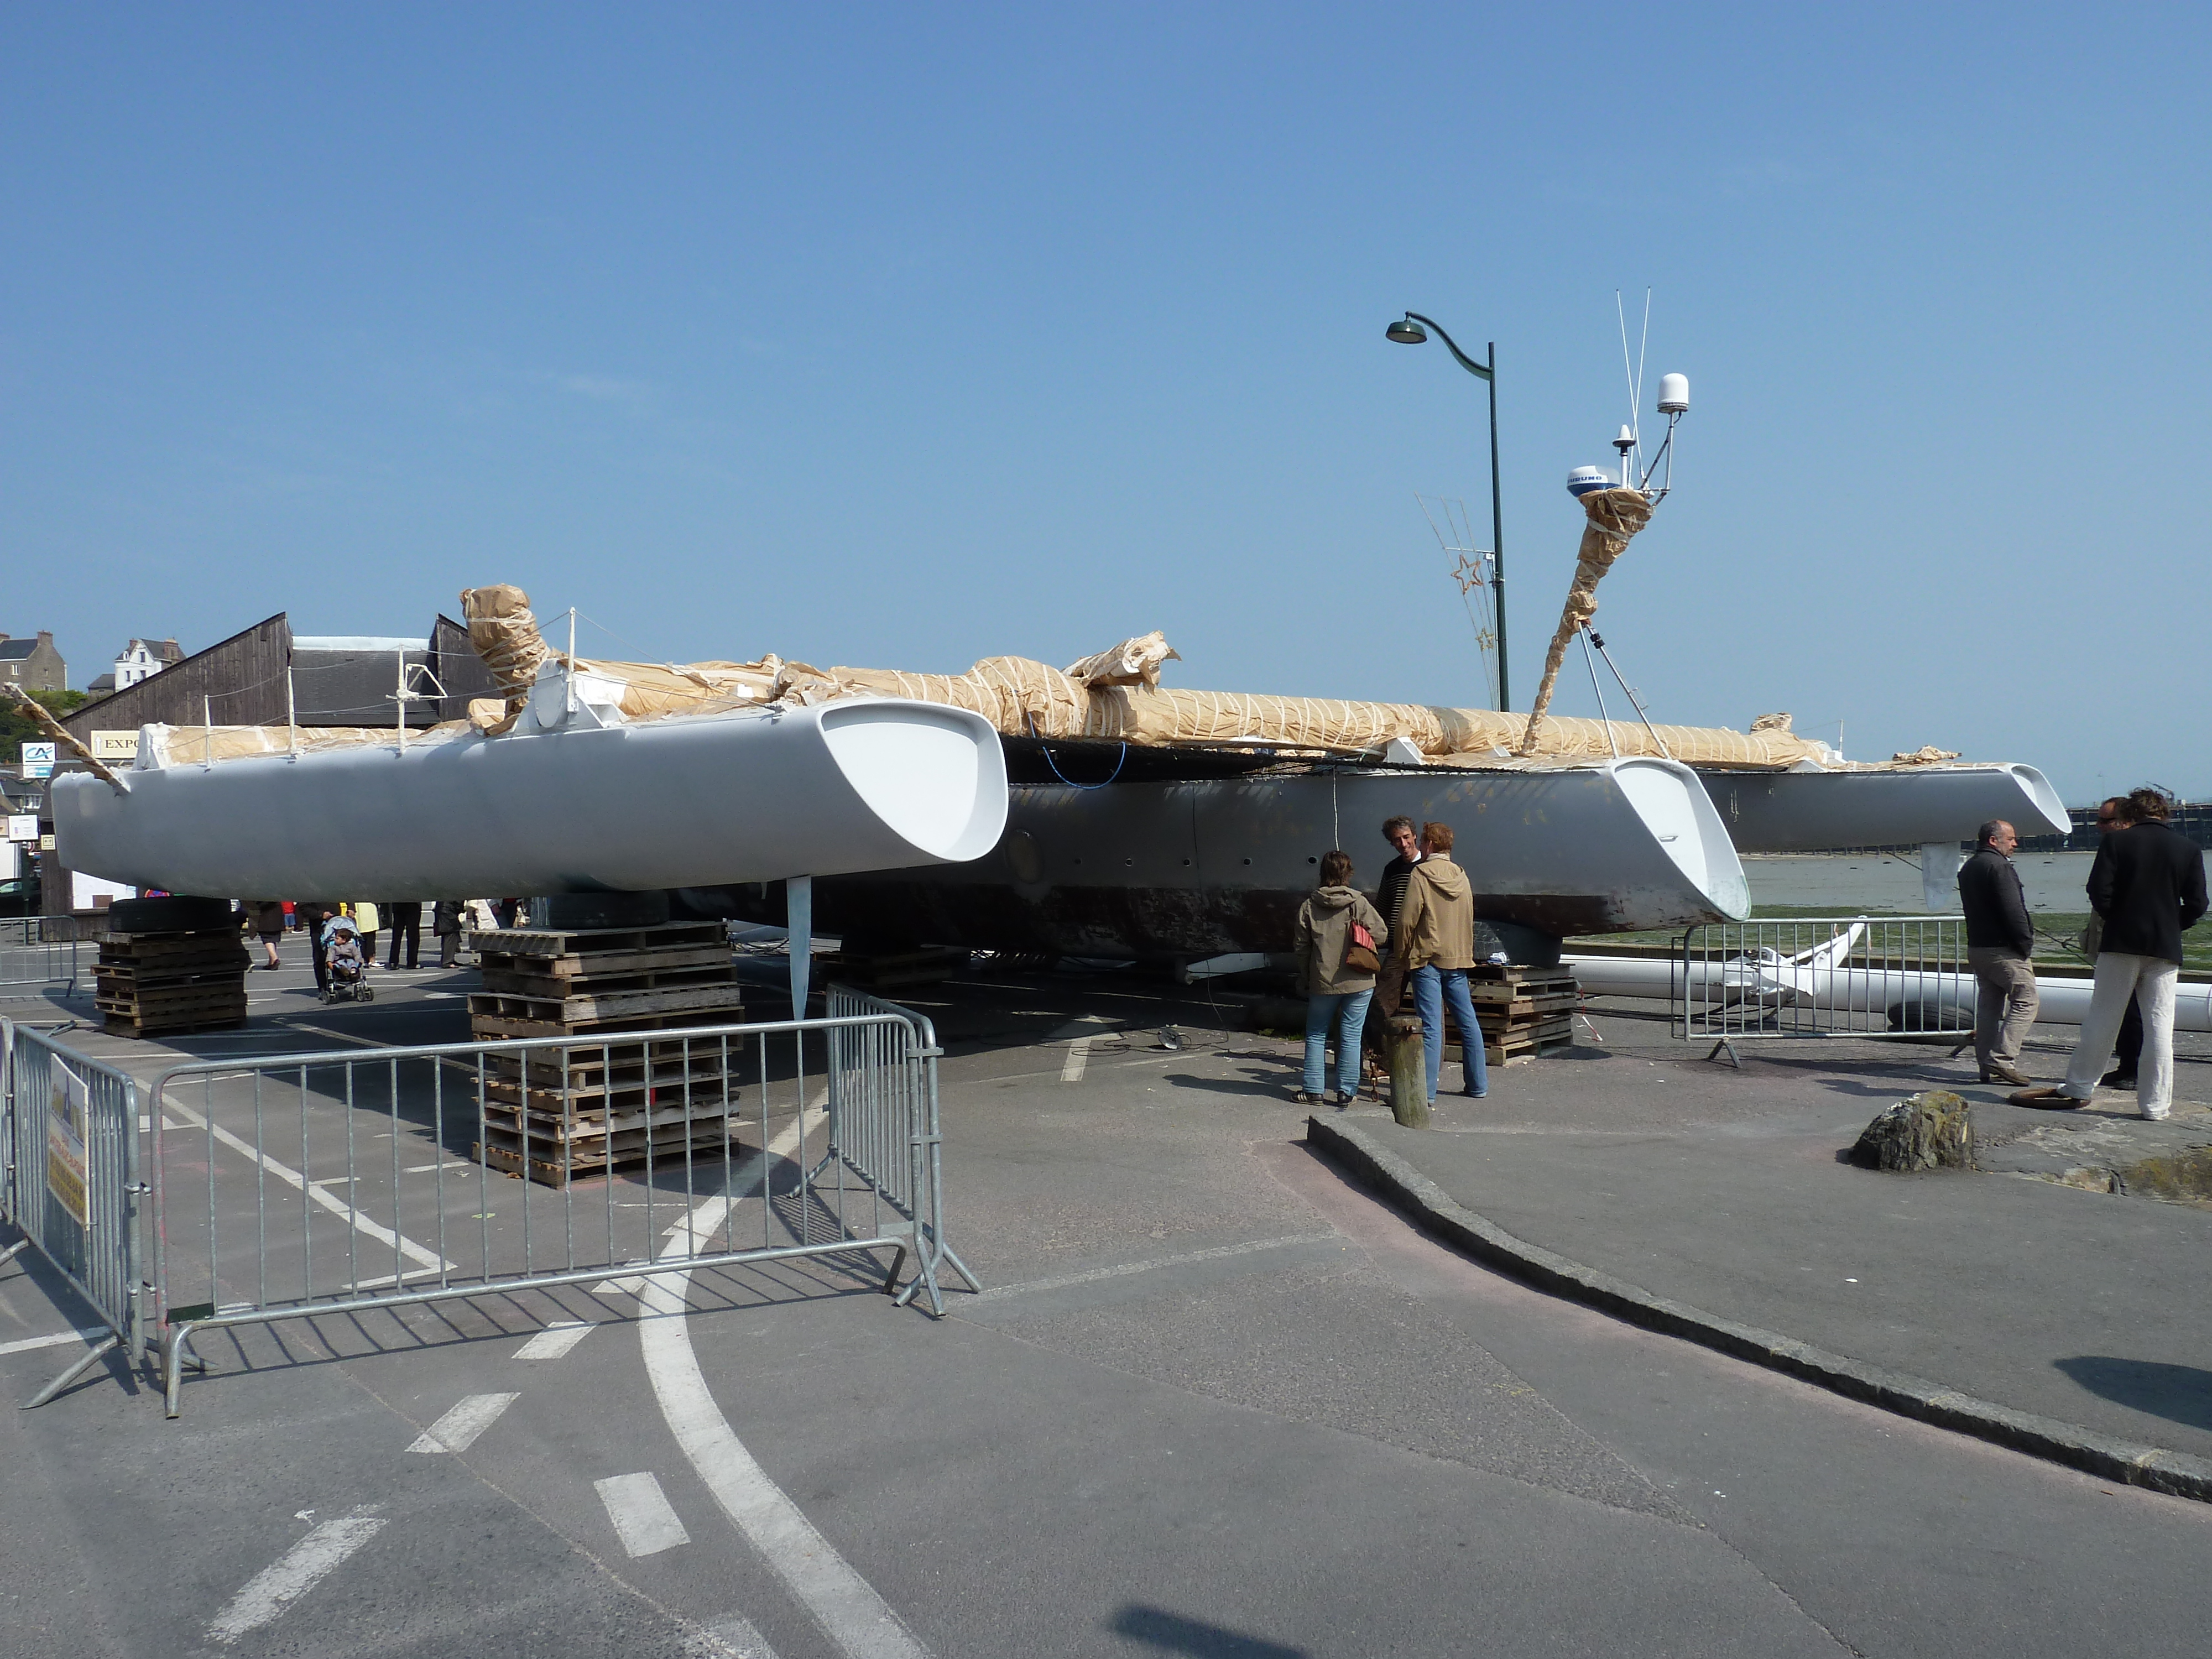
x,y
1429,1207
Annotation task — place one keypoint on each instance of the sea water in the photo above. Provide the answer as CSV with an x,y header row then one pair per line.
x,y
1848,883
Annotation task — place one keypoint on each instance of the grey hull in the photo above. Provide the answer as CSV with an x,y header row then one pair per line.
x,y
1809,811
1198,869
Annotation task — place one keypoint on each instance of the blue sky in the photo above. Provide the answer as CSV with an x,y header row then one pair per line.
x,y
899,336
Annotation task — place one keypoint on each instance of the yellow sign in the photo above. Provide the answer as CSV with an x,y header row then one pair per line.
x,y
115,745
65,1123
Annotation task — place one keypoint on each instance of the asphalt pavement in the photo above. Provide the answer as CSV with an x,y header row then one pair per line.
x,y
1214,1400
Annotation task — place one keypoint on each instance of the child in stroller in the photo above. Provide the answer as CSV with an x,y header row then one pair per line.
x,y
342,949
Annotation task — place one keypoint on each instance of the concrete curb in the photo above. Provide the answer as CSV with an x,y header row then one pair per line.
x,y
1433,1210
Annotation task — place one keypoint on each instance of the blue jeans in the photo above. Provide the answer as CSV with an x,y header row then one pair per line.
x,y
1347,1011
1432,988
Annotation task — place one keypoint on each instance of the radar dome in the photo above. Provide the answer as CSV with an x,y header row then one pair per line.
x,y
1584,479
1673,394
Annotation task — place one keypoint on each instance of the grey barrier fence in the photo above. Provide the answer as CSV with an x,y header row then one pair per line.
x,y
1861,977
72,1185
35,950
287,1186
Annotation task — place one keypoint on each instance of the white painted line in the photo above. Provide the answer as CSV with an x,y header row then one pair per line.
x,y
643,1519
1079,1057
292,1177
1097,1274
733,1637
424,1169
458,1429
858,1620
59,1338
292,1574
555,1340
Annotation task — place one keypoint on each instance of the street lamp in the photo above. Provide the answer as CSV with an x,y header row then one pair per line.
x,y
1412,330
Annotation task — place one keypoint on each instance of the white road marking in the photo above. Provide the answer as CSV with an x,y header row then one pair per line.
x,y
59,1338
458,1429
292,1177
643,1519
1214,1254
733,1637
846,1606
292,1574
555,1340
1079,1057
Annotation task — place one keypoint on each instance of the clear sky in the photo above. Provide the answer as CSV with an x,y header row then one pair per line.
x,y
899,336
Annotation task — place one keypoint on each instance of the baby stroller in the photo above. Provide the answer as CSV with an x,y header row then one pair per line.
x,y
348,980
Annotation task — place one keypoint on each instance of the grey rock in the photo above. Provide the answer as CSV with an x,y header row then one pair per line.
x,y
1932,1130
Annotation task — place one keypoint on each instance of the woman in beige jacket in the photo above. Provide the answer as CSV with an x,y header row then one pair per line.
x,y
1336,993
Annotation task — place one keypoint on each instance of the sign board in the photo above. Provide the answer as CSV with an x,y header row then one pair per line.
x,y
46,843
38,760
22,826
67,1113
115,745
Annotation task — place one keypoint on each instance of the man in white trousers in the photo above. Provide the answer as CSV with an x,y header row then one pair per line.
x,y
2148,886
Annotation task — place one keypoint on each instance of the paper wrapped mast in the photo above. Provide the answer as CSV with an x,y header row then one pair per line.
x,y
1115,695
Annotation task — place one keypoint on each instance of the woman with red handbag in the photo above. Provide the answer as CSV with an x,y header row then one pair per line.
x,y
1340,940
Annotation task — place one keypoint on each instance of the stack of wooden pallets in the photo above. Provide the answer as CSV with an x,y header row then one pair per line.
x,y
171,982
556,1113
1525,1012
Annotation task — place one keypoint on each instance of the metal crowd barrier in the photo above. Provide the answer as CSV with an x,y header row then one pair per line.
x,y
70,1127
294,1186
1861,977
34,952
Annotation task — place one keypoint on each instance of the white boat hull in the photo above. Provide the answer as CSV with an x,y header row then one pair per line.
x,y
1809,811
1201,869
749,796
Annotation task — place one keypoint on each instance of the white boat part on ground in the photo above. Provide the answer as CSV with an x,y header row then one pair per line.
x,y
1816,981
1810,810
575,801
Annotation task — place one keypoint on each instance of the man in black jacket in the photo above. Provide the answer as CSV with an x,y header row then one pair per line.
x,y
2000,942
2147,887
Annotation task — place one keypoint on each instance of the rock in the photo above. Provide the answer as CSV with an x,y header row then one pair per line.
x,y
1929,1131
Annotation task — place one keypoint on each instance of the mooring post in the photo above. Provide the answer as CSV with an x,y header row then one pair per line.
x,y
1409,1072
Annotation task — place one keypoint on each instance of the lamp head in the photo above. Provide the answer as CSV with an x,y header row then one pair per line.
x,y
1406,331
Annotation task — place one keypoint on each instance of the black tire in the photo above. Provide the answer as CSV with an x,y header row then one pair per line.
x,y
587,910
366,995
173,914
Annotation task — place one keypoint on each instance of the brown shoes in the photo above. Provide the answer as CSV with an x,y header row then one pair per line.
x,y
2003,1071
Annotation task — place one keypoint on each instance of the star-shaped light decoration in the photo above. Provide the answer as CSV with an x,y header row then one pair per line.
x,y
1468,573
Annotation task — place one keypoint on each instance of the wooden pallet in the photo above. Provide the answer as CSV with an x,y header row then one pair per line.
x,y
705,1089
1524,1011
145,983
595,963
552,1115
487,1026
599,941
561,1168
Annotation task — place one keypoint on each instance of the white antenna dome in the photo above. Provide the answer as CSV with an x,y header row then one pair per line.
x,y
1584,479
1673,394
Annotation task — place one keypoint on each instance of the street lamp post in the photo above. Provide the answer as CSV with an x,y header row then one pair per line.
x,y
1412,330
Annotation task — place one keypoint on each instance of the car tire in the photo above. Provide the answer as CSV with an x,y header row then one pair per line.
x,y
174,914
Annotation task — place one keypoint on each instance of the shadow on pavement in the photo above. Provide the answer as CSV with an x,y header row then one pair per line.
x,y
2180,1394
1171,1632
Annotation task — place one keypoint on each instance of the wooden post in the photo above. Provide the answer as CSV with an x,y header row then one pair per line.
x,y
1409,1072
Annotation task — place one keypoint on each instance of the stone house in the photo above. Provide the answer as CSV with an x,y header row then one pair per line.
x,y
33,664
